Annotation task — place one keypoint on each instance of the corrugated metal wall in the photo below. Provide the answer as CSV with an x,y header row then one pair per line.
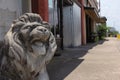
x,y
72,26
77,25
68,25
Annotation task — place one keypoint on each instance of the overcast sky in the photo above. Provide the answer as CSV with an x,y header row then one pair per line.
x,y
111,9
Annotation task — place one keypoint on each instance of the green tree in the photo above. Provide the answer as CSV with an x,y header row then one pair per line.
x,y
102,30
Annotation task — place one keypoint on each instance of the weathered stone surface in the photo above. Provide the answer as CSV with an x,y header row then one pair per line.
x,y
28,46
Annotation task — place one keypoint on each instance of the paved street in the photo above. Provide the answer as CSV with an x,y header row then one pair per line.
x,y
98,61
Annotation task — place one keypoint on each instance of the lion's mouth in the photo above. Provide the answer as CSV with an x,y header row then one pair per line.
x,y
39,45
42,39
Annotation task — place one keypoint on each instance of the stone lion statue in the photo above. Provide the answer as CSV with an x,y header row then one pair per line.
x,y
28,46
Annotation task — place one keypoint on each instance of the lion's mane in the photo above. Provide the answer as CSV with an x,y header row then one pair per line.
x,y
25,51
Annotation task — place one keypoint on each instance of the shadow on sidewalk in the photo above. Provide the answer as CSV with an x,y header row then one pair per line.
x,y
61,66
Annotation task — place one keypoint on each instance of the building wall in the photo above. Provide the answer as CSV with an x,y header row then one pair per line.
x,y
94,4
94,26
26,6
77,25
83,21
72,26
68,26
41,7
9,10
88,28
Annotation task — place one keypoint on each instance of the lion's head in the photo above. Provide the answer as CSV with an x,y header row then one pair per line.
x,y
28,46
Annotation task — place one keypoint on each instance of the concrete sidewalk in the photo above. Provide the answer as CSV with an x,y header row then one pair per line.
x,y
98,61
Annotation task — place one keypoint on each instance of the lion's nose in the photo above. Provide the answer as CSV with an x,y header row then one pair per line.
x,y
42,29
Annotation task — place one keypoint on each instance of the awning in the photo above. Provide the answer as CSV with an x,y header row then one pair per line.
x,y
67,2
70,2
103,19
91,11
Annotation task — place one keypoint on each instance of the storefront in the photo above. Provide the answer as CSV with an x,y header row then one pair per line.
x,y
68,33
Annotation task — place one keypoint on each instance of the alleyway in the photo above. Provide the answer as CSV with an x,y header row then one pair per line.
x,y
98,61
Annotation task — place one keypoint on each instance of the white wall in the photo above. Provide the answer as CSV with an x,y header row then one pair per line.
x,y
68,25
77,25
72,26
9,10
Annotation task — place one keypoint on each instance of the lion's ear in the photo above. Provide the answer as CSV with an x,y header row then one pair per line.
x,y
16,26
